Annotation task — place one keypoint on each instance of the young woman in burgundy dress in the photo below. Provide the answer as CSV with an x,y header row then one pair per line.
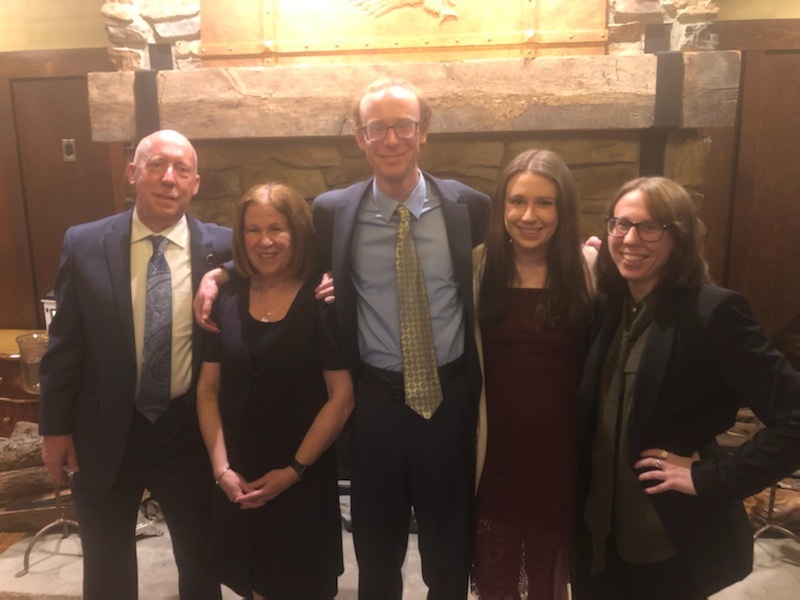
x,y
533,292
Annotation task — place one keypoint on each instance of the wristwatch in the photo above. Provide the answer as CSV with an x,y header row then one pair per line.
x,y
298,467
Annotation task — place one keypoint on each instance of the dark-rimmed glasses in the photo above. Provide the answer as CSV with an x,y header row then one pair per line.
x,y
649,231
404,129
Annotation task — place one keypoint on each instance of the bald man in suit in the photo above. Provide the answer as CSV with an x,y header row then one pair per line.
x,y
100,436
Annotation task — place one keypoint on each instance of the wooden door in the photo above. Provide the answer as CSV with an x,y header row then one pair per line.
x,y
17,299
765,234
66,178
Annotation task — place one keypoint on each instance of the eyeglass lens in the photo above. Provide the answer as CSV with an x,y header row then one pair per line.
x,y
404,129
649,231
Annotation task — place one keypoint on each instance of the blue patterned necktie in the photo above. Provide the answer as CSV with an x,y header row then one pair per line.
x,y
154,388
423,391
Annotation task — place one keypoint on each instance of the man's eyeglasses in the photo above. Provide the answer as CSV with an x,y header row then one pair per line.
x,y
404,129
649,231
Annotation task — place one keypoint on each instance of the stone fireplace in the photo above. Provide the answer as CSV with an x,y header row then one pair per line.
x,y
261,105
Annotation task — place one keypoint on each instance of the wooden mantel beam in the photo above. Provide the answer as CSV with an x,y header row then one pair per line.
x,y
543,94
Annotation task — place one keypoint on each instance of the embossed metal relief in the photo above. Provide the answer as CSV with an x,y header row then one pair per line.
x,y
443,9
296,31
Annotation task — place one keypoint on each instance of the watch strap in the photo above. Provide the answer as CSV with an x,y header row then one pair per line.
x,y
298,467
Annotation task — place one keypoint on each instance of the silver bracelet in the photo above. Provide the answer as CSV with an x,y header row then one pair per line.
x,y
225,470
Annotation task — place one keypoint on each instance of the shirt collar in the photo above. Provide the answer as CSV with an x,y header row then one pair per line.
x,y
414,202
177,234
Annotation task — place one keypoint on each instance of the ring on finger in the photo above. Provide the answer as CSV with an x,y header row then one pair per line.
x,y
664,454
658,463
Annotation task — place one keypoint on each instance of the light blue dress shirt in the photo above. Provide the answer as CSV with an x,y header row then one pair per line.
x,y
373,274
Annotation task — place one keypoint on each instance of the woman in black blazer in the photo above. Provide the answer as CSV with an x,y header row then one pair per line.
x,y
672,359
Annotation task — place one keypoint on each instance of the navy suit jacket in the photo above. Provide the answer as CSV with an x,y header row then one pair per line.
x,y
704,357
88,375
466,216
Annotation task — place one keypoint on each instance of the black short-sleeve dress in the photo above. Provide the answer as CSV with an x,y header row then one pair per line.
x,y
272,388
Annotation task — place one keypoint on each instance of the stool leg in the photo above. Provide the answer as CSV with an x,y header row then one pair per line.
x,y
769,525
64,523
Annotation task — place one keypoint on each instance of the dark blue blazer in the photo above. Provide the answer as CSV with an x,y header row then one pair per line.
x,y
466,216
88,375
704,357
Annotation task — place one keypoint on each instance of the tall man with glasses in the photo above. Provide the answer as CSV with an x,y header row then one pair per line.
x,y
117,407
414,423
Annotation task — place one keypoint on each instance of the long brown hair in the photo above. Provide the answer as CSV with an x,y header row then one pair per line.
x,y
667,202
567,302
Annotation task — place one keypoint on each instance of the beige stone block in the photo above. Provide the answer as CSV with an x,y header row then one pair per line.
x,y
476,183
308,182
225,154
311,155
158,10
625,33
120,10
178,29
187,63
646,11
127,59
626,49
692,10
448,156
112,108
350,170
219,210
710,88
137,31
686,159
580,150
693,37
487,174
187,48
219,184
598,184
591,224
348,148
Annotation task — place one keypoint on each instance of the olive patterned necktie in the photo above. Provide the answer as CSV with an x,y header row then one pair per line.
x,y
154,386
423,391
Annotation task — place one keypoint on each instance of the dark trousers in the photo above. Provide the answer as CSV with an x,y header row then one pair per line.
x,y
399,461
665,580
167,458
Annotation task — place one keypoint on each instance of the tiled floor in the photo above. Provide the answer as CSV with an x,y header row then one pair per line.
x,y
55,571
